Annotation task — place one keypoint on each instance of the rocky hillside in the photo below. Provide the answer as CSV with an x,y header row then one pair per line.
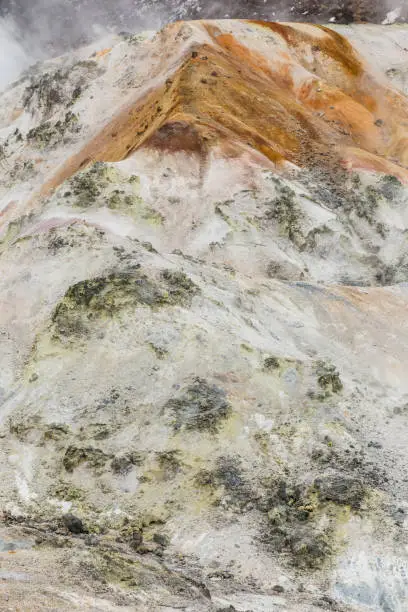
x,y
203,322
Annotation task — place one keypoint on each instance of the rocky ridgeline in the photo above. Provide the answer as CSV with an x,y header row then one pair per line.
x,y
203,299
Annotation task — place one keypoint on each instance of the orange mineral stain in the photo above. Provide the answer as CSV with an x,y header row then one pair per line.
x,y
311,101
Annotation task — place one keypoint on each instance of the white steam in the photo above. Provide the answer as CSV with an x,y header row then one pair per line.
x,y
13,58
38,29
392,16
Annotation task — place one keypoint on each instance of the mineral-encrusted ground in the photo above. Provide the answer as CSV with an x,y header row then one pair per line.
x,y
203,322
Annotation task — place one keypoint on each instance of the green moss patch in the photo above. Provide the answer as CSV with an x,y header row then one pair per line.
x,y
286,212
228,480
51,91
169,463
67,492
49,135
55,433
75,456
302,520
89,184
345,193
328,378
341,489
106,296
391,187
123,464
271,364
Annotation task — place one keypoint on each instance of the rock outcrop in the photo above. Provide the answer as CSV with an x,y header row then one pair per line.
x,y
203,322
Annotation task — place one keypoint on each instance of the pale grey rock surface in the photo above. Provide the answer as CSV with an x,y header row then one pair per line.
x,y
210,373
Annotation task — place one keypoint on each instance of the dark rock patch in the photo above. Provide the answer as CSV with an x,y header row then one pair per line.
x,y
202,407
74,524
229,481
75,456
122,464
328,378
341,489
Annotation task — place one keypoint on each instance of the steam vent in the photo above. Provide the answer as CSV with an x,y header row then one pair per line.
x,y
204,322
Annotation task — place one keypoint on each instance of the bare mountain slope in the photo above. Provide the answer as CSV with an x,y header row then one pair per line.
x,y
203,322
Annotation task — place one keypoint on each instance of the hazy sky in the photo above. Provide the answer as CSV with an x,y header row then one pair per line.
x,y
13,58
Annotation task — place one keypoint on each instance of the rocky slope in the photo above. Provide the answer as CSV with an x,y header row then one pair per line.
x,y
203,320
